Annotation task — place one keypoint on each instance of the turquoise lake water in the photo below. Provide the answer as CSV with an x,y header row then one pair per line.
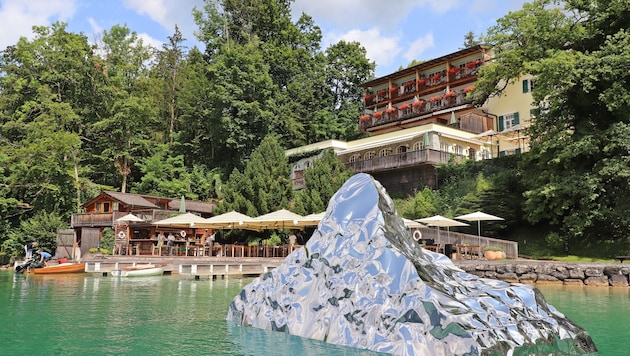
x,y
175,315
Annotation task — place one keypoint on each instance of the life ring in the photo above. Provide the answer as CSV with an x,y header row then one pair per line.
x,y
121,235
182,233
417,235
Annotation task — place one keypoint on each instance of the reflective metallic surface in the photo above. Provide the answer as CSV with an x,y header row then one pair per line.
x,y
362,281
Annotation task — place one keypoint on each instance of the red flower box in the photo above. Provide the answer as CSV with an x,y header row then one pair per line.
x,y
435,98
417,103
453,70
393,89
378,114
404,106
367,97
390,109
469,88
422,82
450,93
409,83
437,76
364,117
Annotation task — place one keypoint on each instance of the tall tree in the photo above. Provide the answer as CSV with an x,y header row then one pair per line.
x,y
128,110
169,70
578,52
46,104
323,179
264,186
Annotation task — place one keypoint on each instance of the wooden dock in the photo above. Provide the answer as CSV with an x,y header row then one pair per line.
x,y
196,267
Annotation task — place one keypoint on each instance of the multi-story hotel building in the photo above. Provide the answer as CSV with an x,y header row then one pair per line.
x,y
423,116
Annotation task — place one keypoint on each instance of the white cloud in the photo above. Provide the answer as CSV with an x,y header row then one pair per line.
x,y
366,13
380,48
418,47
169,13
18,17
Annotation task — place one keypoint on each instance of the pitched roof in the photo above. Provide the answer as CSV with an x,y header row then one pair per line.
x,y
139,201
132,200
192,205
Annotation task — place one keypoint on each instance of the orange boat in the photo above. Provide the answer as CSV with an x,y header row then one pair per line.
x,y
61,268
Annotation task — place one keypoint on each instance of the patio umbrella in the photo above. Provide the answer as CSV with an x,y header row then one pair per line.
x,y
186,220
125,220
129,218
279,219
478,217
311,219
439,220
410,224
182,205
230,220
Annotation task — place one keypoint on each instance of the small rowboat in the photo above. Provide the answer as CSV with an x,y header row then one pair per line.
x,y
61,268
139,271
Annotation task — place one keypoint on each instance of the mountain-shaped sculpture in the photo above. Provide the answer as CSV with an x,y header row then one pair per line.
x,y
362,281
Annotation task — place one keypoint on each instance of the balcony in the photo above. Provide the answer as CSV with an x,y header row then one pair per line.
x,y
403,160
109,219
416,110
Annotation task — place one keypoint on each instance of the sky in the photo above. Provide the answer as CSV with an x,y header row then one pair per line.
x,y
393,32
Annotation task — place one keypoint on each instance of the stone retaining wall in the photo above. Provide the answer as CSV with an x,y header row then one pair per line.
x,y
542,272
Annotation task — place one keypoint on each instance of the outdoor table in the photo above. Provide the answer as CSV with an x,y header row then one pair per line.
x,y
468,251
434,248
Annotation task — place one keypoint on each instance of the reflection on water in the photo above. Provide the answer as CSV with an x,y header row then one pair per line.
x,y
84,314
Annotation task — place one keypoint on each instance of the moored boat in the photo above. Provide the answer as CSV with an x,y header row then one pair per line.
x,y
61,268
139,271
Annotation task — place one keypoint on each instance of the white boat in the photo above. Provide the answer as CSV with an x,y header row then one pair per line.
x,y
139,271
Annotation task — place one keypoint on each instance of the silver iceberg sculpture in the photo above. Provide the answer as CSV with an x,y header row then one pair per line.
x,y
362,281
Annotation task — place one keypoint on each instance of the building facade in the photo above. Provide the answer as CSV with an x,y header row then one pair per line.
x,y
425,115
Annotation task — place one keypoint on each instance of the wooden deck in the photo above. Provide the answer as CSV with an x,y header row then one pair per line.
x,y
196,267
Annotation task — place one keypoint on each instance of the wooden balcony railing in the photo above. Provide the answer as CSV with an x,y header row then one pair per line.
x,y
401,160
415,111
108,219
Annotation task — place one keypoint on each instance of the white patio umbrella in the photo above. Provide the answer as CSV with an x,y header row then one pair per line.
x,y
412,224
311,219
438,221
129,218
184,220
478,216
230,220
279,219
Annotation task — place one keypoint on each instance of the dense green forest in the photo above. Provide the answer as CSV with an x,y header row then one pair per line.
x,y
77,117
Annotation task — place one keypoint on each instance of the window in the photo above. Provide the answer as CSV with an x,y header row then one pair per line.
x,y
417,146
355,158
444,147
368,155
383,152
401,149
116,204
528,85
459,150
106,207
99,207
508,121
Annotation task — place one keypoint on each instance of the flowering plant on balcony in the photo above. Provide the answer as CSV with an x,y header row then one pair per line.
x,y
382,92
433,99
437,76
393,89
378,114
422,82
417,103
364,117
469,88
451,93
368,97
453,70
409,83
390,109
404,106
